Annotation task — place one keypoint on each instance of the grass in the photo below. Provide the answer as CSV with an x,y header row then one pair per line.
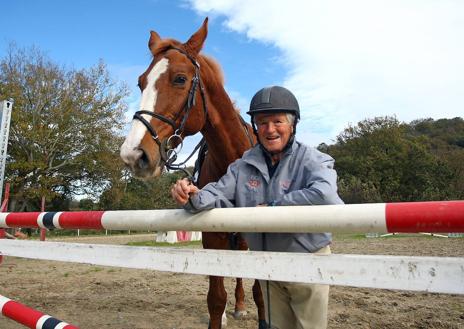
x,y
336,236
165,244
35,233
345,236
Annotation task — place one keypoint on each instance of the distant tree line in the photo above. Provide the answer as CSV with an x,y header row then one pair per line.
x,y
66,131
384,160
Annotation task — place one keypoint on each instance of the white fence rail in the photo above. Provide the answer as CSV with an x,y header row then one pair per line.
x,y
432,274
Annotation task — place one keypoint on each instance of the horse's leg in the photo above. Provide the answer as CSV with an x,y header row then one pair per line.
x,y
217,298
217,295
240,308
259,301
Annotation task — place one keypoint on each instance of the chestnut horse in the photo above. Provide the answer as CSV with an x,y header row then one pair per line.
x,y
182,94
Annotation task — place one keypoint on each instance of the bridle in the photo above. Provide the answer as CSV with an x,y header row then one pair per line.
x,y
167,153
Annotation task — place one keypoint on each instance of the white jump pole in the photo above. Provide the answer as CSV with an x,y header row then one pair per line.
x,y
407,217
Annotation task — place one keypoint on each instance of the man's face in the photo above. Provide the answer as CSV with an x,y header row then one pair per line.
x,y
274,131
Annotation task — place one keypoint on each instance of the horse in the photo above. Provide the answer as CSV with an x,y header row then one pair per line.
x,y
182,94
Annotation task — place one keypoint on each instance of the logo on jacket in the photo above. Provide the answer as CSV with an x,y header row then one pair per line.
x,y
285,184
253,183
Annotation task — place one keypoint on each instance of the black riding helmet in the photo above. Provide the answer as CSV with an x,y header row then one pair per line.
x,y
274,99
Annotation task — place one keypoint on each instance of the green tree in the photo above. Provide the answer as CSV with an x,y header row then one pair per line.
x,y
354,190
131,193
445,139
64,129
379,160
86,204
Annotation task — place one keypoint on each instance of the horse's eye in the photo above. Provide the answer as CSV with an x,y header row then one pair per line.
x,y
180,80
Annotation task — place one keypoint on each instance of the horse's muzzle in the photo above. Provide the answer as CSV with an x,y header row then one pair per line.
x,y
140,163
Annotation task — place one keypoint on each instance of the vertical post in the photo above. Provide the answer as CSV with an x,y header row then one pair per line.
x,y
42,230
4,208
5,118
6,107
2,236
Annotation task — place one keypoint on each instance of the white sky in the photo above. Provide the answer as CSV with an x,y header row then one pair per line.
x,y
351,60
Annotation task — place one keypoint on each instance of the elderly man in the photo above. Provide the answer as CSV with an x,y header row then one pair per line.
x,y
279,171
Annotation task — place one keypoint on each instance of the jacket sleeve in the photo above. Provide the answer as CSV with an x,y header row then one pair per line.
x,y
320,186
220,194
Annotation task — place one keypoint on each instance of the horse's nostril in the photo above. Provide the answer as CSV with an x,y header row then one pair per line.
x,y
143,161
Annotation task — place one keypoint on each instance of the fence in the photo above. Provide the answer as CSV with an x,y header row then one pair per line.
x,y
432,274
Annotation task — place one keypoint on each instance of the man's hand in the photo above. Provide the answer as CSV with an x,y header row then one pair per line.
x,y
182,190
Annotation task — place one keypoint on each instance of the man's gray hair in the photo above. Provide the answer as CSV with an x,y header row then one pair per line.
x,y
290,118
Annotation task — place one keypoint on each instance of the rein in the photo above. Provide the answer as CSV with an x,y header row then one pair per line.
x,y
169,154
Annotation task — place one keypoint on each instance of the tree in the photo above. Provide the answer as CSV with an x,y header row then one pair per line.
x,y
445,139
64,129
131,193
379,160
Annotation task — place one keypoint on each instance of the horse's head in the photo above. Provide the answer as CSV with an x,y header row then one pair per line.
x,y
172,106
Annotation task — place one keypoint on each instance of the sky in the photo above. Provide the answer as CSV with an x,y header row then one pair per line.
x,y
344,60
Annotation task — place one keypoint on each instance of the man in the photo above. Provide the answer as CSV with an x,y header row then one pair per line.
x,y
279,171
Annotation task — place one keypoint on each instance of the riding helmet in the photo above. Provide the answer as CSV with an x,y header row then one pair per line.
x,y
273,100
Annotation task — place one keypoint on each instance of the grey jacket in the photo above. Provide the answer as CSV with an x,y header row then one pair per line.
x,y
304,176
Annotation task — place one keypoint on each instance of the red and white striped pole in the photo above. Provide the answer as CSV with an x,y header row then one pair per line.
x,y
29,317
407,217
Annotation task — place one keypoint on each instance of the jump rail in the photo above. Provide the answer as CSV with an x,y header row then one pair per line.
x,y
406,217
29,317
432,274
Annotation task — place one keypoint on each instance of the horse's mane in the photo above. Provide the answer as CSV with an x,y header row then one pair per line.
x,y
215,67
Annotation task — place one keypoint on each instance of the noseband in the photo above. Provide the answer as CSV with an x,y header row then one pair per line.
x,y
167,153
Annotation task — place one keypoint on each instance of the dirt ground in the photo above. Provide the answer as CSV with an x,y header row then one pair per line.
x,y
94,297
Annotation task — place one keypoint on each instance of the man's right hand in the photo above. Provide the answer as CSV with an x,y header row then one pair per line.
x,y
182,190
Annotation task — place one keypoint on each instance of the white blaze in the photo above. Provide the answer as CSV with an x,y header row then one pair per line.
x,y
129,149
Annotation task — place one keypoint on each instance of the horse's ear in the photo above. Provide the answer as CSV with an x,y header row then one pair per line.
x,y
196,41
154,40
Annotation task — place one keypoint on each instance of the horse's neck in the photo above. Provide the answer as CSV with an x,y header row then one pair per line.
x,y
225,135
